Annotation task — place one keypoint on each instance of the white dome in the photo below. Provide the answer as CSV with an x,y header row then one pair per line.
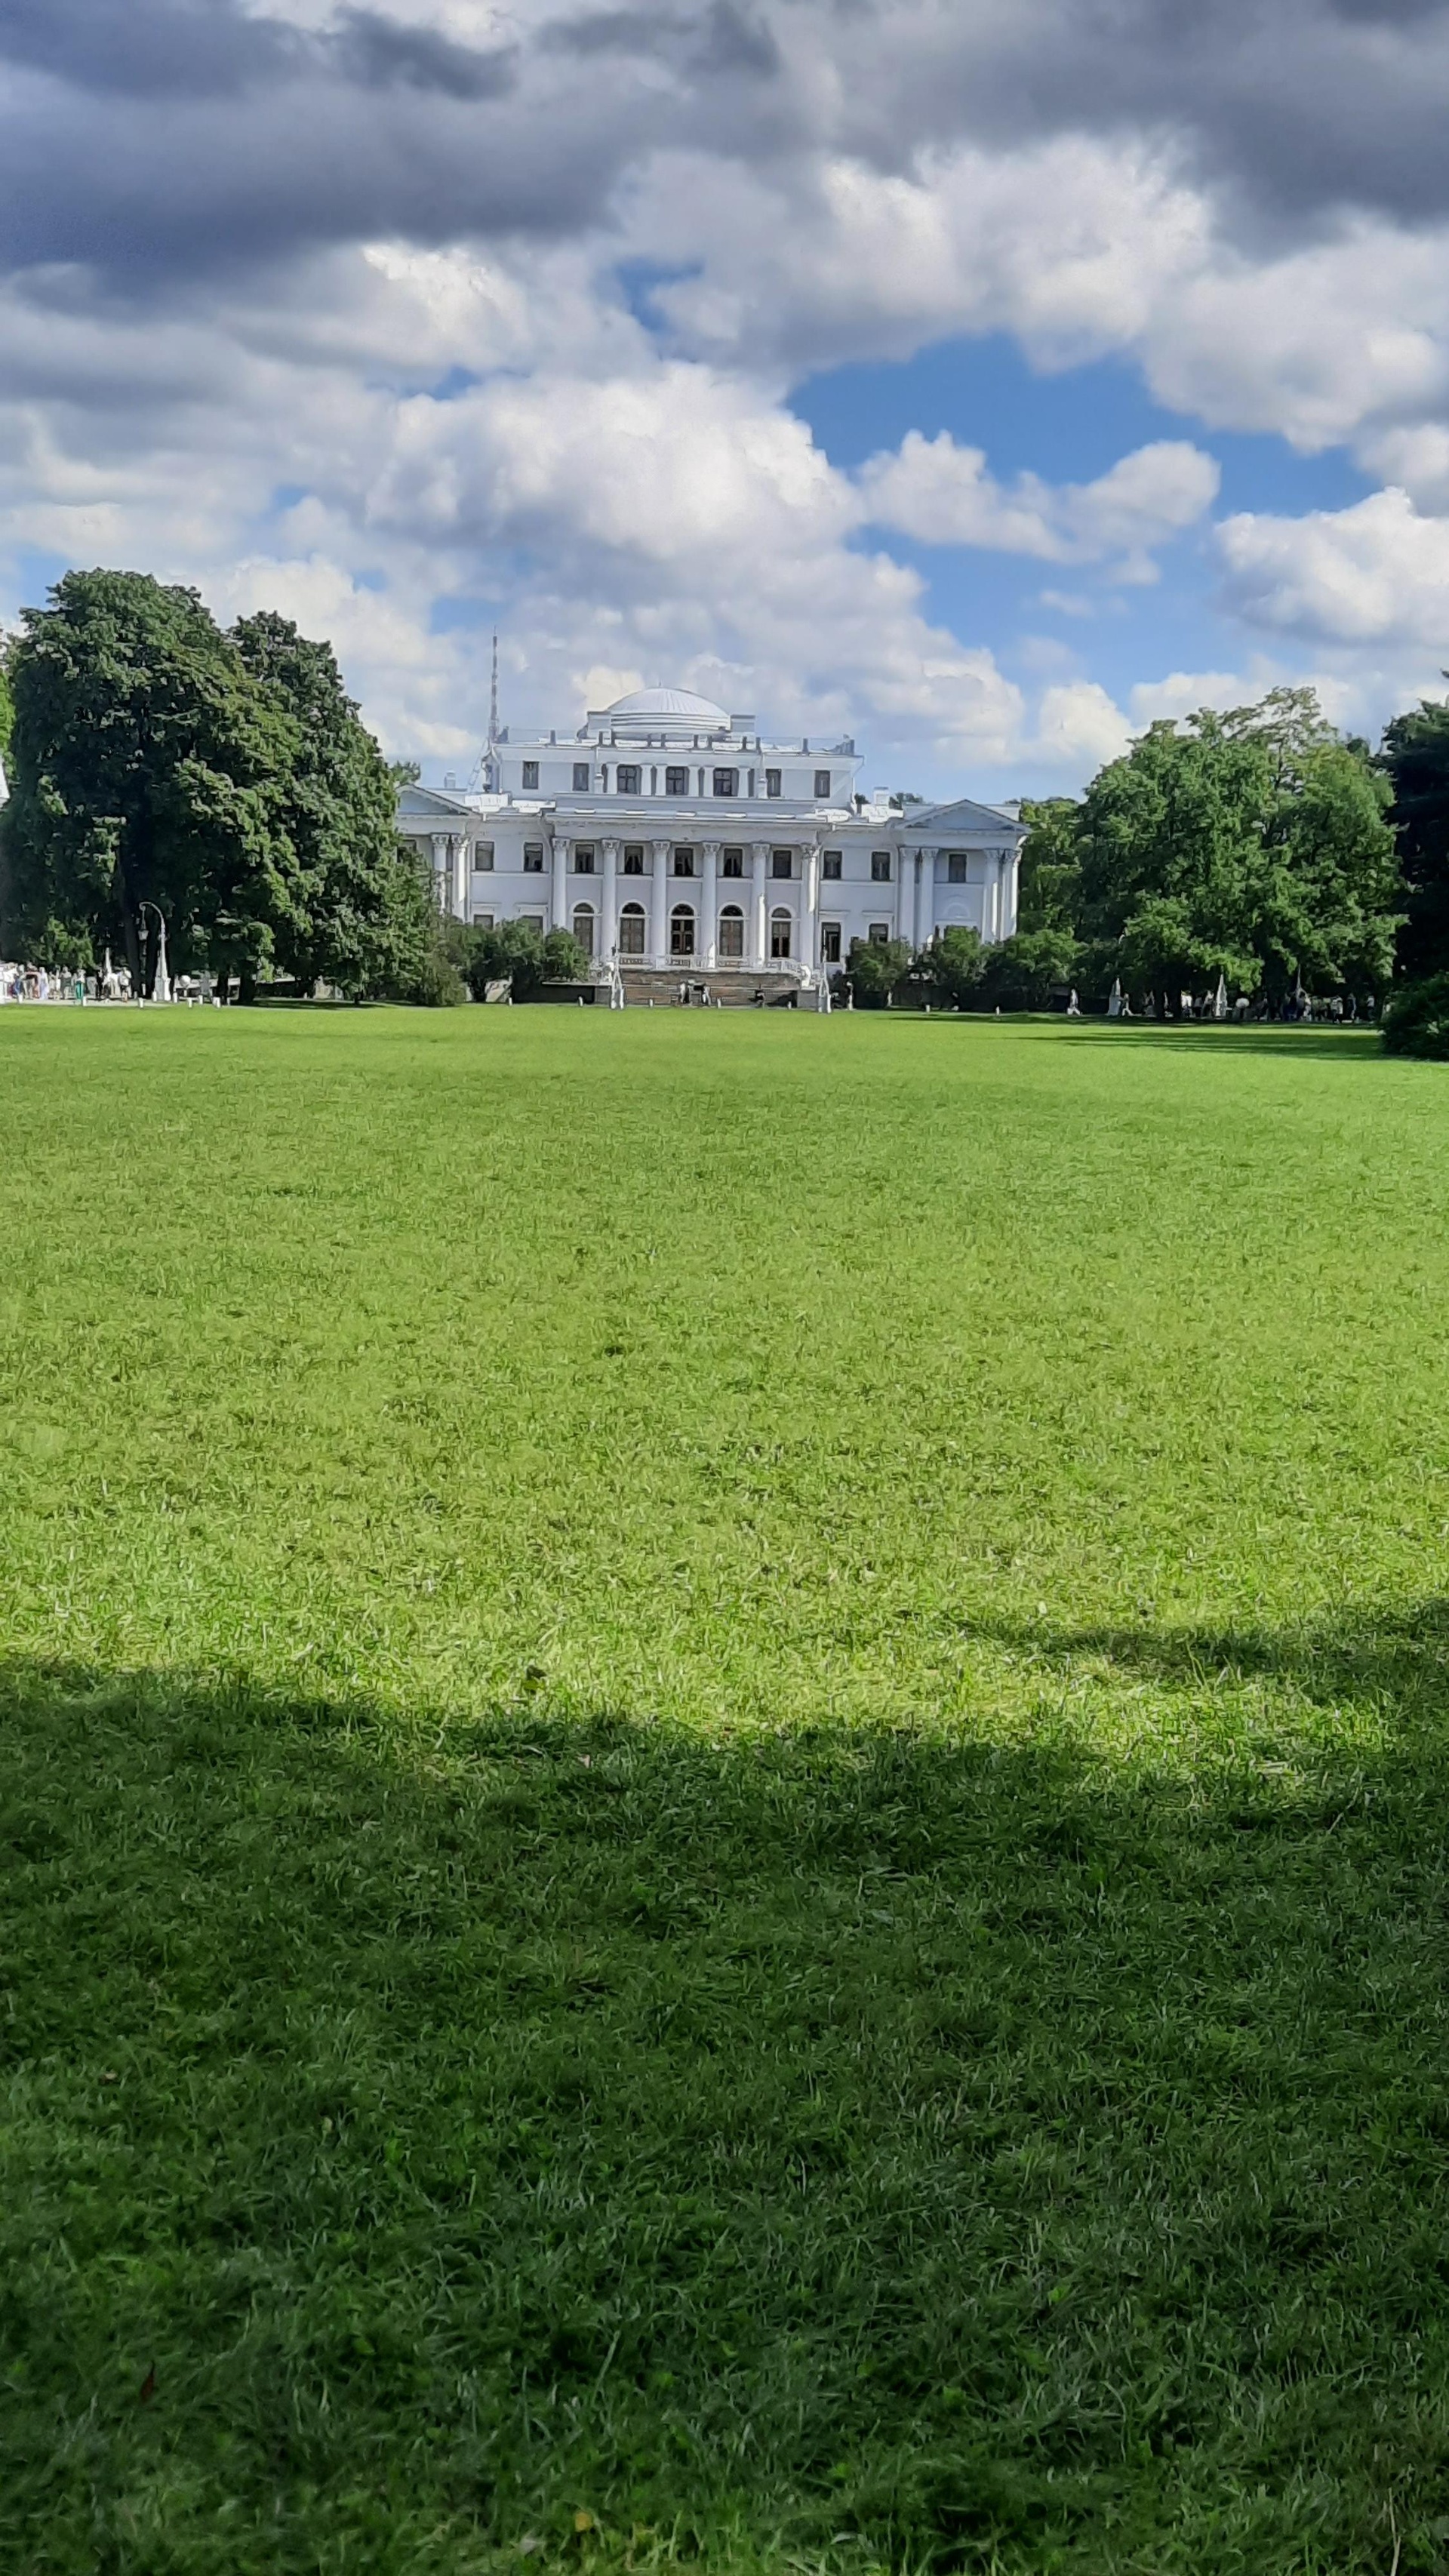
x,y
681,704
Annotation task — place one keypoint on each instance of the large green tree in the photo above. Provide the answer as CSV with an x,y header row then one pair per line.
x,y
353,919
1415,759
147,766
1254,845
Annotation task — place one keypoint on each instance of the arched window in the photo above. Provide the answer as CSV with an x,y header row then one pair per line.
x,y
732,931
780,933
584,927
631,930
681,930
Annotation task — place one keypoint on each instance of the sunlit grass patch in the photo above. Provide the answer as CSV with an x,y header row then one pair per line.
x,y
723,1809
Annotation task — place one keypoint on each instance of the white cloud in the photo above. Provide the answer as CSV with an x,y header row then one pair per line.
x,y
1378,571
943,494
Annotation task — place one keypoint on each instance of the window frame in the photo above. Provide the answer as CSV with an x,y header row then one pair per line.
x,y
831,942
822,782
583,777
732,865
734,914
830,867
956,867
782,875
628,779
683,912
633,865
782,927
676,781
533,858
731,787
773,786
583,860
881,871
687,868
530,777
483,858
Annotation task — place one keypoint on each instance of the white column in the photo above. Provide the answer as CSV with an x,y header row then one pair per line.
x,y
906,903
759,939
810,904
659,922
926,899
709,904
442,869
609,907
562,853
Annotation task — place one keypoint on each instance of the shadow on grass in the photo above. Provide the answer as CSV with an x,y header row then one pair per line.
x,y
1344,1046
570,2132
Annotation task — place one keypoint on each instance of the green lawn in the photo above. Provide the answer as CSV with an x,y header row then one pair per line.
x,y
723,1812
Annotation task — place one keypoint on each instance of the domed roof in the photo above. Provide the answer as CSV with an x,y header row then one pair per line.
x,y
681,704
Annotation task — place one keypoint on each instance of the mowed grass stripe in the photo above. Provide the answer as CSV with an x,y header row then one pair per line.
x,y
723,1800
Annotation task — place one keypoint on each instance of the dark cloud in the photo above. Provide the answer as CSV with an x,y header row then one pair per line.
x,y
244,139
380,54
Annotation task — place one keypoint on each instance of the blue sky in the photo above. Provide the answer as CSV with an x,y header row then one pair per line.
x,y
986,382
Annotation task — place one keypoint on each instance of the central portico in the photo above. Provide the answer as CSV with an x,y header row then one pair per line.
x,y
667,834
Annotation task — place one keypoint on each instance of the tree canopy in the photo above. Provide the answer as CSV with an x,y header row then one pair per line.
x,y
224,782
1253,845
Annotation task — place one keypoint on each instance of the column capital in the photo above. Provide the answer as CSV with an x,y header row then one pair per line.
x,y
710,849
661,846
610,849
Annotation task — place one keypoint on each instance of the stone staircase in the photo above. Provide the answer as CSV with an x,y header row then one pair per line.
x,y
731,988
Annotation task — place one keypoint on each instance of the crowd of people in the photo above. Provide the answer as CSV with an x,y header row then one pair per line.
x,y
1341,1010
97,984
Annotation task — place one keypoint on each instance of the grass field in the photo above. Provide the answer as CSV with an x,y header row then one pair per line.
x,y
723,1810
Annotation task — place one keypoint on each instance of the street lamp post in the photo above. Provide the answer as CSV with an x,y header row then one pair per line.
x,y
161,988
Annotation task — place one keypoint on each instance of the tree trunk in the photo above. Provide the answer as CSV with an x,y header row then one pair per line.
x,y
247,984
223,984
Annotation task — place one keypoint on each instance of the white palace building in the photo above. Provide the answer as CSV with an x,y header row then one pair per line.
x,y
671,838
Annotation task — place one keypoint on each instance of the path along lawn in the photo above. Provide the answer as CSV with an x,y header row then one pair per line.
x,y
723,1805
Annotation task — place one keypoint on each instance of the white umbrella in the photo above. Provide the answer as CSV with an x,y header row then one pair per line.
x,y
1220,999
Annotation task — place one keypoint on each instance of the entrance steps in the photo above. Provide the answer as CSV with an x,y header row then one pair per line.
x,y
728,988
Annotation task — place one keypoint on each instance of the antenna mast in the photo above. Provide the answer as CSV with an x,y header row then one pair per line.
x,y
493,720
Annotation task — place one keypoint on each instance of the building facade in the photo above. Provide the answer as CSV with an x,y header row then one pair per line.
x,y
668,835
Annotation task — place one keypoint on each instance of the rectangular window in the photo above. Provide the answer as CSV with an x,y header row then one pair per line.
x,y
781,864
955,867
581,778
676,782
482,920
684,863
880,867
822,782
530,773
830,943
633,860
628,779
583,862
533,858
733,863
531,920
726,782
879,934
483,856
830,867
772,782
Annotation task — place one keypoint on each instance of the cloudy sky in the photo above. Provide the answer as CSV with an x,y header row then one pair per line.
x,y
987,376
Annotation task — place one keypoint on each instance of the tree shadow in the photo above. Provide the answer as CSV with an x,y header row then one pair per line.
x,y
1345,1046
427,2140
